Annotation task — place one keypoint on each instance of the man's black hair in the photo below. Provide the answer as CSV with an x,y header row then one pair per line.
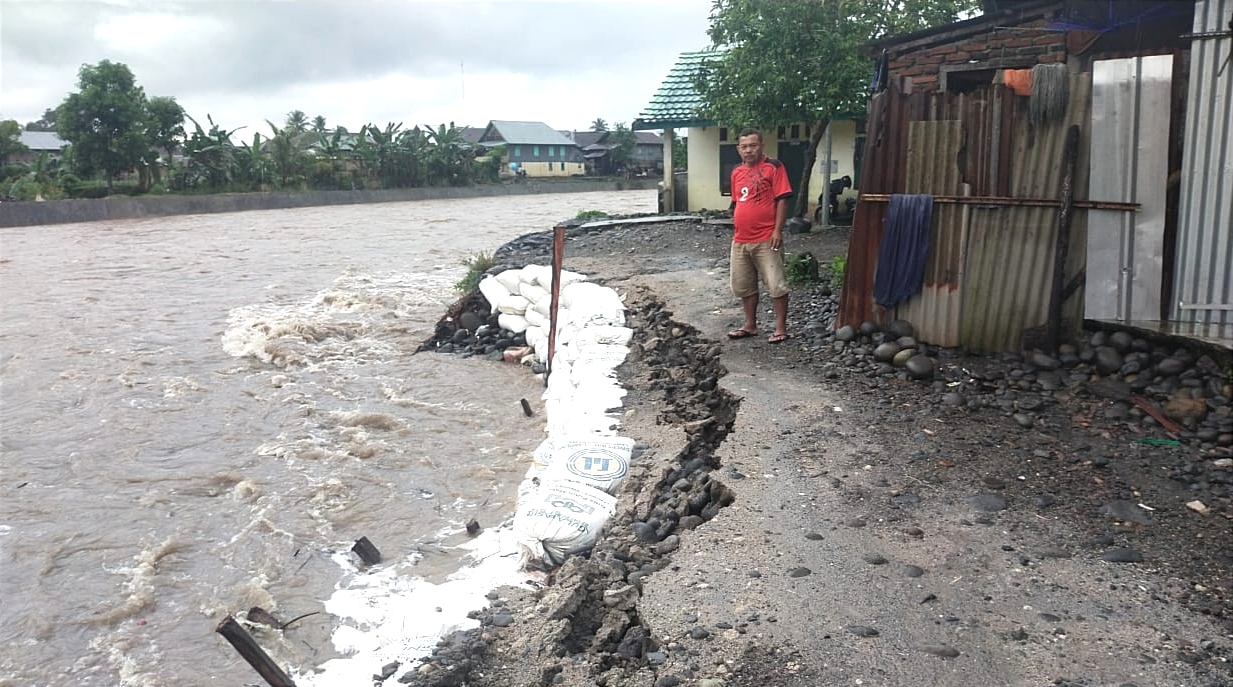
x,y
749,131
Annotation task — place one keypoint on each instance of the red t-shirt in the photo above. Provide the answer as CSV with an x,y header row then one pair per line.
x,y
756,191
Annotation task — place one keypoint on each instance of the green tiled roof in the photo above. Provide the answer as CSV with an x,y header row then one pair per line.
x,y
676,102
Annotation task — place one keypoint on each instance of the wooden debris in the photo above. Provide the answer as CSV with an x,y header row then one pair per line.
x,y
248,648
366,551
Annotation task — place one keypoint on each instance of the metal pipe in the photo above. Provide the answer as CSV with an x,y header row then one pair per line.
x,y
1012,202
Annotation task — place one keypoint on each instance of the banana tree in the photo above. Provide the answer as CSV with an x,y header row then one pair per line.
x,y
255,163
450,156
287,152
211,154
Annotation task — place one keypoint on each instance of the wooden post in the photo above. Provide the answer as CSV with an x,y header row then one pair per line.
x,y
252,652
1070,154
558,255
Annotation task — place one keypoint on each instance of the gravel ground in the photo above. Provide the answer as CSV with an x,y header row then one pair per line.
x,y
812,513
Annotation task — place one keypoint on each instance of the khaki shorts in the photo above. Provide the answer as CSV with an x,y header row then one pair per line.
x,y
751,260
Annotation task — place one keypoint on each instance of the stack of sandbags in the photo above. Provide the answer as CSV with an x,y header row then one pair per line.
x,y
569,491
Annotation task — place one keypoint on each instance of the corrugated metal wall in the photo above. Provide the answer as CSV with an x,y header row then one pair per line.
x,y
1203,288
990,267
1131,109
1009,276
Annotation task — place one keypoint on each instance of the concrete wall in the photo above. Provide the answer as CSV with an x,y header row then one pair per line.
x,y
20,214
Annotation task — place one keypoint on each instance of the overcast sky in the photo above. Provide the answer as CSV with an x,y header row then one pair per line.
x,y
356,61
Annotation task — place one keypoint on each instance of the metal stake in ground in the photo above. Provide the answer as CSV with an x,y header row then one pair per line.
x,y
1070,154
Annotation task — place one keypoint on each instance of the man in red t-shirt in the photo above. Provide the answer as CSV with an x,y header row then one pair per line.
x,y
760,193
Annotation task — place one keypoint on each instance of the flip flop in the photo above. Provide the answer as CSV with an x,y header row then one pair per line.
x,y
778,338
740,334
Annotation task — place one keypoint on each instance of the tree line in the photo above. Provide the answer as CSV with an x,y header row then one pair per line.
x,y
117,134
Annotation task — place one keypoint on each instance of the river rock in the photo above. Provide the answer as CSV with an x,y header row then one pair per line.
x,y
1122,556
902,357
845,333
1108,360
953,399
869,328
886,352
920,367
900,328
1169,367
907,342
862,630
1043,362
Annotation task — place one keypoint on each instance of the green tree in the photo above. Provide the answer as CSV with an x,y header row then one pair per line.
x,y
450,157
45,123
105,120
10,140
297,121
164,124
599,125
680,153
212,158
622,142
319,124
287,151
784,62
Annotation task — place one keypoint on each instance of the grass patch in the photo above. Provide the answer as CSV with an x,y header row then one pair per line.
x,y
839,265
801,268
476,266
584,215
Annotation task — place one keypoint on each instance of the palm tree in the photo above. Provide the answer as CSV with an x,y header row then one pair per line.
x,y
286,151
297,121
599,125
319,124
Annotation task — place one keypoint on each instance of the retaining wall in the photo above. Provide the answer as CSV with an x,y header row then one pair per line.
x,y
19,214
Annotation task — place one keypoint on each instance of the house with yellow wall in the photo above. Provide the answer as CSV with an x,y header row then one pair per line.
x,y
534,149
712,145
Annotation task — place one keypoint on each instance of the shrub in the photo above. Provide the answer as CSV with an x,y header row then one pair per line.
x,y
584,215
476,266
802,268
838,265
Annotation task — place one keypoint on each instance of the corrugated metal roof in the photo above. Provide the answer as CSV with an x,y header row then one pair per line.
x,y
676,102
525,133
41,140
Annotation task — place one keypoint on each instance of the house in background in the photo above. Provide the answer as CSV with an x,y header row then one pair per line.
x,y
472,134
596,146
38,143
534,148
712,145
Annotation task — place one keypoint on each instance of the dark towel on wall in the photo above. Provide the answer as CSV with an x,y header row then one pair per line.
x,y
904,250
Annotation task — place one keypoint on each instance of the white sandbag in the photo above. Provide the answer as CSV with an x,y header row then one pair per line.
x,y
539,275
562,518
515,323
603,334
510,279
543,306
592,304
513,304
602,463
568,277
532,292
534,318
605,356
544,453
494,291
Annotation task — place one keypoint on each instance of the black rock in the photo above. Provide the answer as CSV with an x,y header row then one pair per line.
x,y
668,681
953,399
502,619
1043,362
1122,342
869,328
1127,511
1108,360
862,630
906,499
1043,500
990,503
645,533
699,632
1122,556
900,328
799,572
874,559
845,333
884,353
913,570
1169,367
942,651
634,642
920,367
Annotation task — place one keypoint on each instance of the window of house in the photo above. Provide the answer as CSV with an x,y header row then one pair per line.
x,y
550,164
729,158
796,131
552,151
723,133
562,152
534,151
517,151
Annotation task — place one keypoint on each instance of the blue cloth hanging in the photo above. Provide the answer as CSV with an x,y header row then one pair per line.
x,y
904,250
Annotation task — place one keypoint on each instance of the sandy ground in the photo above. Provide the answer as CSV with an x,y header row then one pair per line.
x,y
868,536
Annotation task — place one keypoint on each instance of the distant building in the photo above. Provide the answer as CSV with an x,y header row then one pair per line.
x,y
596,146
39,142
534,148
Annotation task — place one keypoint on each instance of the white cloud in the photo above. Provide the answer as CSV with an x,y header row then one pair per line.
x,y
244,61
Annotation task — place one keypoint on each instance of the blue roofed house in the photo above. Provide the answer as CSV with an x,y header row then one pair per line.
x,y
534,148
712,145
38,143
